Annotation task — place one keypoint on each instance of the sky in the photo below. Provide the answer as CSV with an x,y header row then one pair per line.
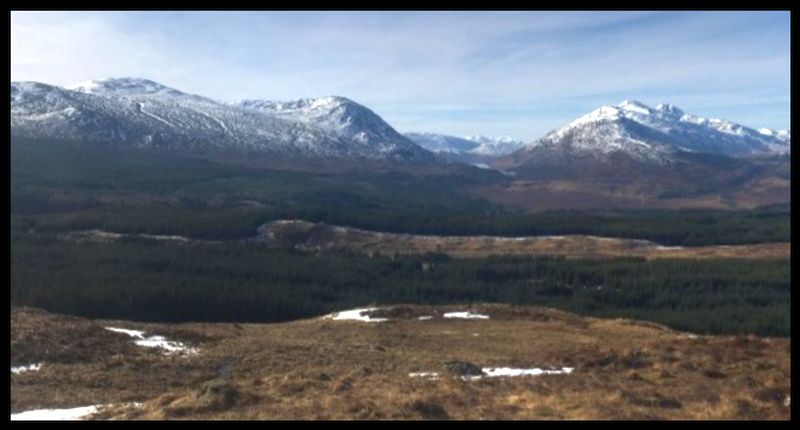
x,y
518,74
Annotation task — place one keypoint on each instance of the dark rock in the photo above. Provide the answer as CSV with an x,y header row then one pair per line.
x,y
463,368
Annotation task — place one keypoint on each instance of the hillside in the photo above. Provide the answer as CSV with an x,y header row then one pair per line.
x,y
334,368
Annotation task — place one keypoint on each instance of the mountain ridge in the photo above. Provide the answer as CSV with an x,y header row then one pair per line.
x,y
655,135
143,113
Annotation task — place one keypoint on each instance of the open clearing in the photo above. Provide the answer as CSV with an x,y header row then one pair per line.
x,y
518,363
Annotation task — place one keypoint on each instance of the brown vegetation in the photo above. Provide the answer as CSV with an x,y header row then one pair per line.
x,y
308,236
326,369
540,195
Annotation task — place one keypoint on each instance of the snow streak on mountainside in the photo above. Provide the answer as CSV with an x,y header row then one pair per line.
x,y
654,134
144,113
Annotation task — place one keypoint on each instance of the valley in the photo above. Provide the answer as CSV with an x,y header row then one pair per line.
x,y
449,215
176,257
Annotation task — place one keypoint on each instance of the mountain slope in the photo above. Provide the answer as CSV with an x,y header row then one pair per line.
x,y
653,135
143,113
634,156
350,122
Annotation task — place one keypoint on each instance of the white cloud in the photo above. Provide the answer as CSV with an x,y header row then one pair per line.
x,y
406,65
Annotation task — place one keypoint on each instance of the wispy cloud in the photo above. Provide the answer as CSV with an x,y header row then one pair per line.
x,y
512,73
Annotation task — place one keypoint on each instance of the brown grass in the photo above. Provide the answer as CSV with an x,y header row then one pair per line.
x,y
540,195
325,369
308,236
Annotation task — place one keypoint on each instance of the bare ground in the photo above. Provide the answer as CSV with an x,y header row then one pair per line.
x,y
326,369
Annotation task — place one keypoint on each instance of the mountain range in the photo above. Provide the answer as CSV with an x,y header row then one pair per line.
x,y
141,113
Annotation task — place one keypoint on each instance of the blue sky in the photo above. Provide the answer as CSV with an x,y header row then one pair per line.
x,y
497,73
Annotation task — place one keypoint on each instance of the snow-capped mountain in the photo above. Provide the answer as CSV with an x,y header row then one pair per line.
x,y
341,117
442,143
123,87
494,146
653,135
143,113
475,145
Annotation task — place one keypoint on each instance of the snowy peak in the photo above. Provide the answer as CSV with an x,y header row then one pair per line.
x,y
670,110
653,134
340,116
603,113
123,87
635,106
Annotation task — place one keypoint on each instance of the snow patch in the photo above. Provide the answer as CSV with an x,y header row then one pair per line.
x,y
494,372
425,317
355,315
433,376
21,369
169,347
466,315
55,414
132,333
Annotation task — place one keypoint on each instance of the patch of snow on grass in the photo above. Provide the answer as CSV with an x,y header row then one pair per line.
x,y
428,375
169,346
493,372
132,333
466,315
356,315
496,372
20,369
55,414
425,318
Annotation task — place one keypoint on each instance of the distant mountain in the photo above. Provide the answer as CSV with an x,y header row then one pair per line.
x,y
442,143
494,146
476,145
143,113
634,155
653,135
